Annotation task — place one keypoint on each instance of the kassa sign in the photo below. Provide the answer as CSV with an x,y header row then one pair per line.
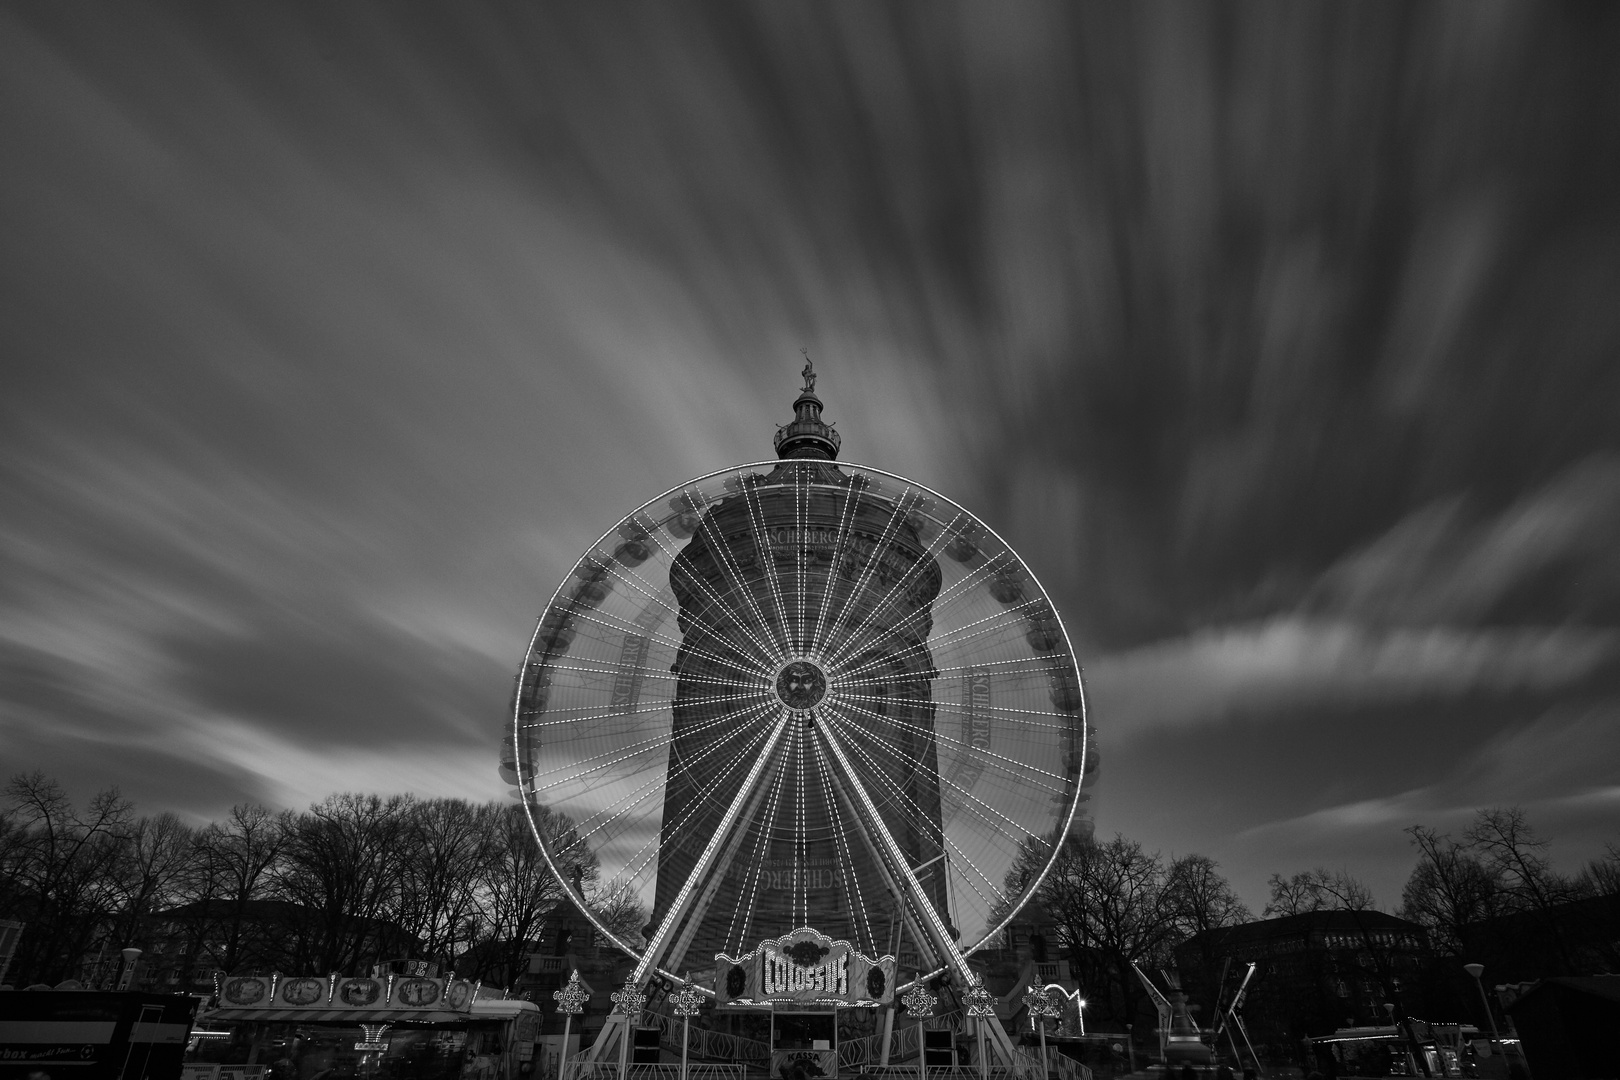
x,y
805,967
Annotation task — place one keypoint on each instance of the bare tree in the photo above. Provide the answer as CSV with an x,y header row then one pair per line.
x,y
1510,848
1450,888
1200,897
1314,890
237,863
341,864
620,911
1502,836
448,847
1601,876
1113,907
519,889
1200,900
62,868
158,862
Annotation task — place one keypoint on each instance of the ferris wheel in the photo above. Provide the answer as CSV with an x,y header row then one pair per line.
x,y
800,693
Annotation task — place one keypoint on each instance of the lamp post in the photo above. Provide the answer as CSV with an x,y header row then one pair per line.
x,y
628,1001
124,977
1080,1012
919,1005
980,1005
571,1001
1476,970
1041,1006
687,1000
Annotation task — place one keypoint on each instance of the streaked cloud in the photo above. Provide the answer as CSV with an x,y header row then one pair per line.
x,y
1281,345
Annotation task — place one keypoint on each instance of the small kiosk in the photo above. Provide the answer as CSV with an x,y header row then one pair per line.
x,y
271,1027
804,978
804,1038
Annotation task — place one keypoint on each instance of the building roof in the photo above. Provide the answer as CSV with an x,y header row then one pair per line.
x,y
1601,986
1285,926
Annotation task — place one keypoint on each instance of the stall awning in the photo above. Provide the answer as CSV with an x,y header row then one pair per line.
x,y
334,1016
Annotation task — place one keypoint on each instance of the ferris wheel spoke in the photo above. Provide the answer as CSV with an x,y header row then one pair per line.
x,y
859,636
677,908
864,577
801,509
996,621
566,716
929,614
846,519
767,555
860,916
995,896
738,661
1032,719
760,654
969,800
611,671
1026,720
718,547
762,833
734,763
918,820
967,748
760,659
655,595
846,774
595,763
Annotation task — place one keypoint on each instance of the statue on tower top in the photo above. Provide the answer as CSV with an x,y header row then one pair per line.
x,y
807,435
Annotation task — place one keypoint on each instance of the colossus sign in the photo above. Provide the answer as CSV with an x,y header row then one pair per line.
x,y
805,967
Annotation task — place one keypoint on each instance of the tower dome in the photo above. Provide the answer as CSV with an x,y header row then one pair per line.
x,y
807,435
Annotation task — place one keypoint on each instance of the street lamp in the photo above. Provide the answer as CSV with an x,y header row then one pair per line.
x,y
687,1001
1476,970
980,1007
571,1001
124,977
1041,1005
628,1001
919,1005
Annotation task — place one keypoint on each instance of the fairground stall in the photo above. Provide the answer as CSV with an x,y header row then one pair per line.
x,y
1412,1048
390,1027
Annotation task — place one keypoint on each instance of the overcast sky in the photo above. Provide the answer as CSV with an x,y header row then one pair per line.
x,y
1281,340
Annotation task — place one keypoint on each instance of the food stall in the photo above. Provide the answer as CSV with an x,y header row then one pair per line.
x,y
388,1027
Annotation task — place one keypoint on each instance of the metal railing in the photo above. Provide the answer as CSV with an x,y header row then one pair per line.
x,y
609,1070
711,1045
866,1052
1063,1066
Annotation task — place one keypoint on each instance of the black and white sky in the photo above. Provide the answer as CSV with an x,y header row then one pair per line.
x,y
1281,340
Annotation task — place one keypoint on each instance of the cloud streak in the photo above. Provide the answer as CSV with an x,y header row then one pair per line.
x,y
1281,346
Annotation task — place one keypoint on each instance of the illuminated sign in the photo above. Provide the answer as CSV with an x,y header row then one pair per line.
x,y
805,967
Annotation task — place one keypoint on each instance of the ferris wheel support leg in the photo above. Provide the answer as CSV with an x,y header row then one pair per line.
x,y
912,896
686,898
615,1029
908,917
676,951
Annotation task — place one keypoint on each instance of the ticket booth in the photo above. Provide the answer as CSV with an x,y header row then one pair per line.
x,y
807,1038
804,978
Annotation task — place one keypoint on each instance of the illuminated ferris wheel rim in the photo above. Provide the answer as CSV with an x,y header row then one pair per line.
x,y
778,666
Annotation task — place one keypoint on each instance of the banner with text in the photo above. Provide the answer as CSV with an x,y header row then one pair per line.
x,y
805,967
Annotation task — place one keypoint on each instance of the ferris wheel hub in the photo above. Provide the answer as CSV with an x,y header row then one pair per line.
x,y
801,685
